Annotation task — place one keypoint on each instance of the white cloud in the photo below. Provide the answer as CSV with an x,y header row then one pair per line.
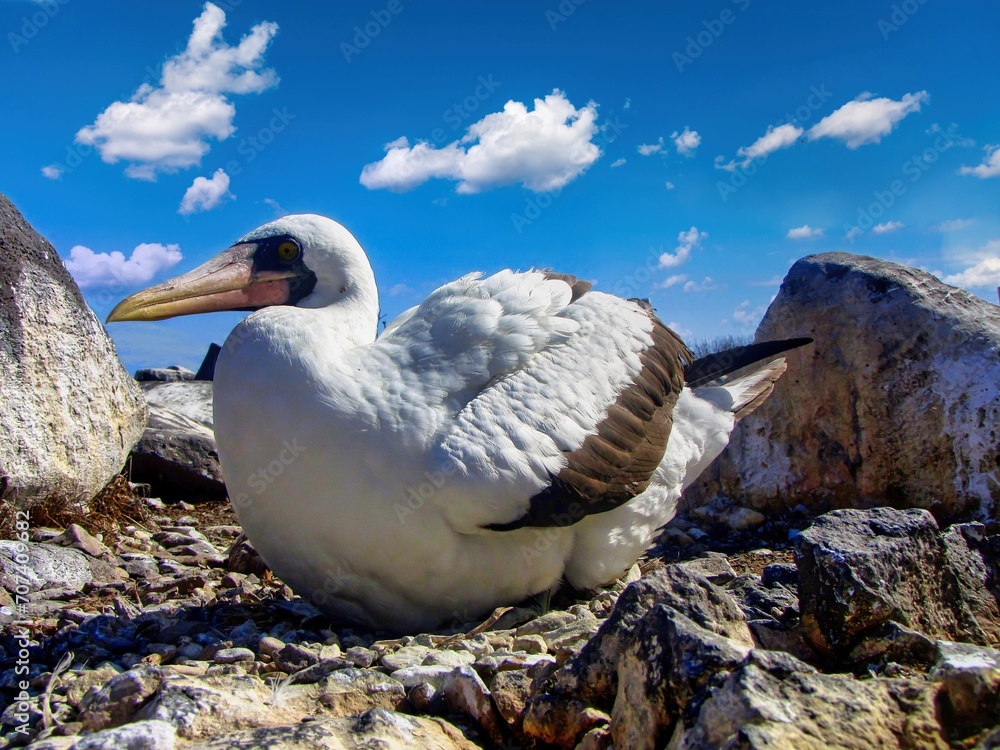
x,y
853,233
687,141
889,226
672,281
749,317
617,163
866,120
990,166
648,149
983,266
53,171
398,290
952,225
544,149
205,194
114,269
986,273
780,137
686,243
805,232
774,139
167,127
705,285
275,206
670,185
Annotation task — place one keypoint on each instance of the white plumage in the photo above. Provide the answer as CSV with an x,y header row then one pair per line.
x,y
367,471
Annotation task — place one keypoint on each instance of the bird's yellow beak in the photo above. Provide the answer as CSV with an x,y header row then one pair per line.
x,y
227,282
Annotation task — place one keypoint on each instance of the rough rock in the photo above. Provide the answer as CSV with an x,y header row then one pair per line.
x,y
760,602
49,565
408,656
172,374
860,569
593,673
465,692
559,721
386,730
413,676
140,735
77,537
120,698
177,454
510,691
668,667
576,697
351,691
909,416
775,701
975,560
70,413
970,695
714,566
242,557
722,512
225,700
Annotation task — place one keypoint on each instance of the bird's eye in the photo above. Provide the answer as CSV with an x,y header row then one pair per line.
x,y
288,251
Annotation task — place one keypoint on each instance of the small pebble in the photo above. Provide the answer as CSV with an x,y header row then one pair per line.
x,y
360,656
531,644
269,645
233,655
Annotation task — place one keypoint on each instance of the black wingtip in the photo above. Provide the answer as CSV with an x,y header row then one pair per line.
x,y
720,364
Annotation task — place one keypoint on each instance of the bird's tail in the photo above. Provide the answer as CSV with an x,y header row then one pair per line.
x,y
740,379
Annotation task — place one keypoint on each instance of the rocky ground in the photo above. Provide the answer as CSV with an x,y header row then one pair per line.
x,y
860,629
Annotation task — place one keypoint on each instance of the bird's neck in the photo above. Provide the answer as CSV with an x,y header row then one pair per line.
x,y
351,322
297,333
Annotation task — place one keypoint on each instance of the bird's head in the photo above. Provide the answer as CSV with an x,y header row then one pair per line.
x,y
303,260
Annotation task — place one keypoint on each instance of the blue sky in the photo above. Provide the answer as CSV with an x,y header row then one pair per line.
x,y
684,152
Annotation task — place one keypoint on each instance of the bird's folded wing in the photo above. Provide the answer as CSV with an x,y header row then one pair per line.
x,y
578,429
473,331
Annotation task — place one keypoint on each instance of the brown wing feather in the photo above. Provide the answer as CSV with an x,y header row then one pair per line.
x,y
616,464
579,287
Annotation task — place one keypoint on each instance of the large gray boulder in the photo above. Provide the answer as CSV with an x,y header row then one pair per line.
x,y
177,454
897,402
861,570
776,701
69,413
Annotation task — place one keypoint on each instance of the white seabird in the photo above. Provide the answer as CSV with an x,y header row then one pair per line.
x,y
510,432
